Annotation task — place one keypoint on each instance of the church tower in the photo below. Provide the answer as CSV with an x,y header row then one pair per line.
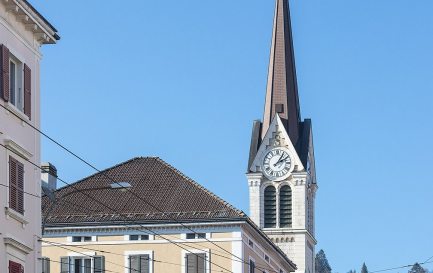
x,y
281,171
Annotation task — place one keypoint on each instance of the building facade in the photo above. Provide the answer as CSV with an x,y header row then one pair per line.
x,y
22,32
281,168
145,216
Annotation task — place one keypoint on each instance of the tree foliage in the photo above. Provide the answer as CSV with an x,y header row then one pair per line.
x,y
364,268
322,264
417,268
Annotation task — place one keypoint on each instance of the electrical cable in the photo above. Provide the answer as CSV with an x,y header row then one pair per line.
x,y
111,209
65,246
184,242
120,185
400,267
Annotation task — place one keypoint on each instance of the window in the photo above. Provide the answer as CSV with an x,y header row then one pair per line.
x,y
267,258
195,236
270,207
16,82
251,243
15,267
285,206
252,266
195,263
139,237
45,265
139,264
77,239
16,185
82,264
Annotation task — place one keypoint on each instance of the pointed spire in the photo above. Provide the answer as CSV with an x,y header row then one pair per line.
x,y
282,89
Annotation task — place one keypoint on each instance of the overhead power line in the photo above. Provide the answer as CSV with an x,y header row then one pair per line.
x,y
400,267
68,247
113,210
114,181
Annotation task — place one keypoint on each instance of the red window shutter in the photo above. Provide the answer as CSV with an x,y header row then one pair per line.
x,y
15,267
4,73
20,187
27,91
13,187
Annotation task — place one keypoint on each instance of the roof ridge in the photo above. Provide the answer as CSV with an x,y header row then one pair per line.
x,y
192,181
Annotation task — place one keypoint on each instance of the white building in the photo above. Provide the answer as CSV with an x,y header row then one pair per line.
x,y
281,169
22,31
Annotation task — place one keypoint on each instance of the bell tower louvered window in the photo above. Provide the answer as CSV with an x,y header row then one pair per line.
x,y
270,207
285,206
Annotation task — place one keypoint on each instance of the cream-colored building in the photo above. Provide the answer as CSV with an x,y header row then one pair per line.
x,y
145,216
23,31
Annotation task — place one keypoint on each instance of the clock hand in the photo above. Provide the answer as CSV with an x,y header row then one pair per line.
x,y
279,160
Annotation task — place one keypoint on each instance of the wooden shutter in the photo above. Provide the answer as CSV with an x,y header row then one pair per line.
x,y
15,267
134,264
87,266
13,187
64,264
144,261
45,265
196,263
99,264
4,73
191,263
20,187
27,91
201,263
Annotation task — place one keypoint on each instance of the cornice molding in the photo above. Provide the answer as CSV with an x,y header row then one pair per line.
x,y
18,245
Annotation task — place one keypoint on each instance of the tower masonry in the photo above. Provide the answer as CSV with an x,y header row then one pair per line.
x,y
281,168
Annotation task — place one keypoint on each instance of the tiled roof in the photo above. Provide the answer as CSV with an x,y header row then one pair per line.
x,y
169,196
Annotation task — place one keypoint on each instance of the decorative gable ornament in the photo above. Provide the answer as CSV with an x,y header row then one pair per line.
x,y
276,139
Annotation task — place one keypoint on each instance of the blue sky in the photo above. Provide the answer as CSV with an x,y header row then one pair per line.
x,y
183,80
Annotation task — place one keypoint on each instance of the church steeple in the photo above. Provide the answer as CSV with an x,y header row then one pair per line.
x,y
281,167
282,89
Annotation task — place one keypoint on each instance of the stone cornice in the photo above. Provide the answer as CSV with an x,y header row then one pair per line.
x,y
33,21
14,243
52,231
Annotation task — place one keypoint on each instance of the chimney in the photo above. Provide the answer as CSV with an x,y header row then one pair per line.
x,y
49,176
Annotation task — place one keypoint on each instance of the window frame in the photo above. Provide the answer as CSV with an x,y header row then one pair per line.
x,y
73,257
82,239
197,235
196,251
251,260
136,253
140,237
45,264
16,98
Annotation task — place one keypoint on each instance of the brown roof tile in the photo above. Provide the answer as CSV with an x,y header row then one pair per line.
x,y
169,196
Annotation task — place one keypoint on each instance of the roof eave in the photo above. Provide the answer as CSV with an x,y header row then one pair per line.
x,y
25,13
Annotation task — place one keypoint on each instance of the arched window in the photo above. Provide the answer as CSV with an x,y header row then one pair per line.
x,y
285,206
270,207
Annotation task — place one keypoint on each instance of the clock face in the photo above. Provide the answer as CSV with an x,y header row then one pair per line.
x,y
277,163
